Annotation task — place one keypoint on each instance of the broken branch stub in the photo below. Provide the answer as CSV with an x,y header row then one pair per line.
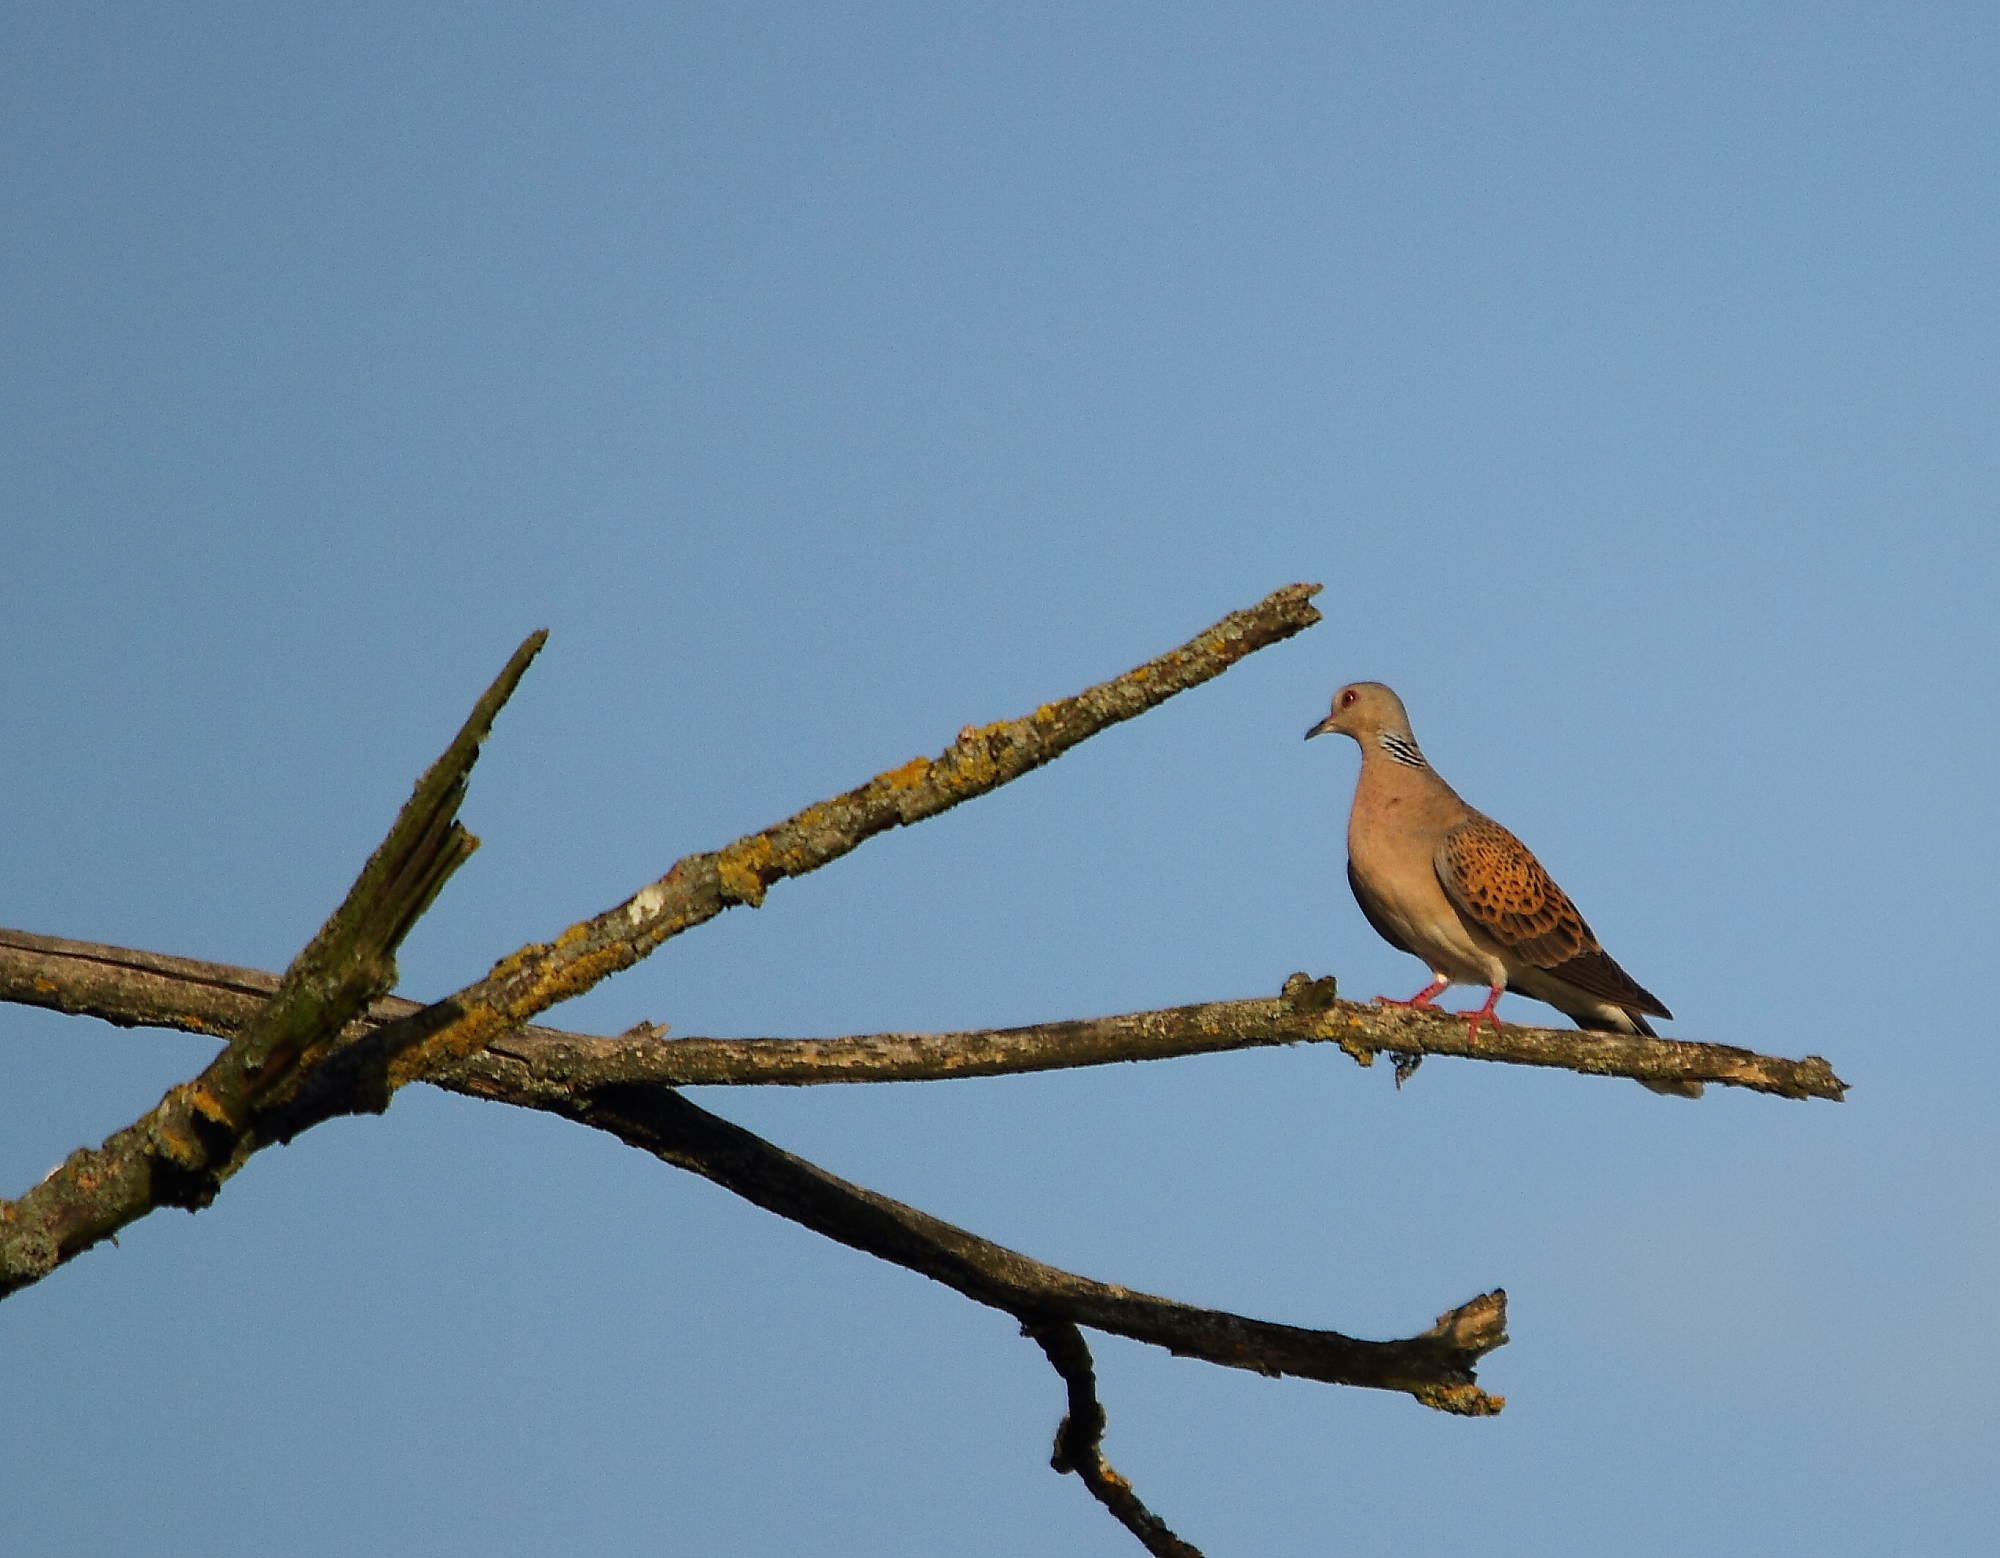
x,y
202,1131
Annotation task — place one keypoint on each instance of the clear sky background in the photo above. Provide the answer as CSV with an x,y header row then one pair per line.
x,y
826,378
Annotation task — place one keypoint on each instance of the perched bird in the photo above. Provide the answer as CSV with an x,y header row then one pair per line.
x,y
1443,883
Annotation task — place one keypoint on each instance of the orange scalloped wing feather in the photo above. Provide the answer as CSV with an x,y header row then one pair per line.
x,y
1501,887
1495,881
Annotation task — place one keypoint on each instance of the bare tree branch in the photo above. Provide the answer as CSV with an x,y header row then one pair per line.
x,y
134,989
298,1063
1081,1432
149,989
202,1131
1371,1029
326,1039
1306,1012
1436,1367
699,887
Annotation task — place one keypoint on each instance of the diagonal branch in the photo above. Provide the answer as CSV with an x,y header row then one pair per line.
x,y
699,887
150,989
202,1131
1436,1367
297,1063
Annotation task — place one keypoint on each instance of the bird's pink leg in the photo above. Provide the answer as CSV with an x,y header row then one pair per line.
x,y
1423,997
1484,1014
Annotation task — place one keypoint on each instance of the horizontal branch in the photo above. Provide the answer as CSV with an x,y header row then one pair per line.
x,y
134,989
214,998
1306,1013
147,988
1366,1031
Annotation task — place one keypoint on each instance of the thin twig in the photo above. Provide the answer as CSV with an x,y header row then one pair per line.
x,y
1079,1439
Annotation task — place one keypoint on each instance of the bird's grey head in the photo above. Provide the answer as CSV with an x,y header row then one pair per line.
x,y
1374,717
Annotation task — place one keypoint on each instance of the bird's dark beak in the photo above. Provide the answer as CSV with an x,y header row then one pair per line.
x,y
1321,728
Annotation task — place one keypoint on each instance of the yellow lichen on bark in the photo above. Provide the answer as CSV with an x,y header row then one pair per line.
x,y
972,767
516,960
740,868
176,1145
1459,1400
205,1103
813,818
475,1025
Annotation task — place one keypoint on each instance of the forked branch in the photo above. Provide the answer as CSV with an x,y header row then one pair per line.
x,y
301,1058
1079,1440
1435,1367
326,1039
699,887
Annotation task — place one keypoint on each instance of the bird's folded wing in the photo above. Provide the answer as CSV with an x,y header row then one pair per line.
x,y
1501,887
1495,881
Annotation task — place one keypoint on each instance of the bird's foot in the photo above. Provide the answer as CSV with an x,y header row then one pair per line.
x,y
1484,1014
1422,998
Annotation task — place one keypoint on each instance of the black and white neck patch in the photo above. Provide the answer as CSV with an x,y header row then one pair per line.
x,y
1402,749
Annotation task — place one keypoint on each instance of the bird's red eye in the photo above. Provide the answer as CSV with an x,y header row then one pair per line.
x,y
1347,698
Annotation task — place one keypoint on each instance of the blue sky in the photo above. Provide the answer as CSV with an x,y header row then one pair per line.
x,y
828,378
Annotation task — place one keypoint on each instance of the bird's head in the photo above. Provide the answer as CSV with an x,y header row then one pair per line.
x,y
1366,711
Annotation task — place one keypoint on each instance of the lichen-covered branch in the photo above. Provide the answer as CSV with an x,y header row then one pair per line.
x,y
1306,1012
1366,1030
699,887
145,988
1436,1367
1079,1438
300,1059
296,1074
202,1131
642,1111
